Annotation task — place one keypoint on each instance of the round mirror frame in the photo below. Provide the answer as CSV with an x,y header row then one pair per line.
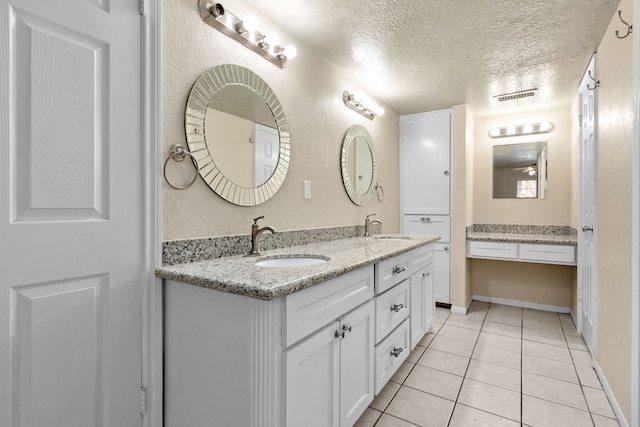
x,y
207,85
353,132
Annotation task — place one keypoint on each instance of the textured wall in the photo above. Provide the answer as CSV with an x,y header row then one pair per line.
x,y
310,90
615,123
556,209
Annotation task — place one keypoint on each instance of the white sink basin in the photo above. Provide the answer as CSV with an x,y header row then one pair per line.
x,y
292,261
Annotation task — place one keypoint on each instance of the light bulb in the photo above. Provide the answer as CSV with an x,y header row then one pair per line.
x,y
532,172
357,97
545,126
271,39
494,132
373,106
380,111
527,128
248,24
511,130
289,51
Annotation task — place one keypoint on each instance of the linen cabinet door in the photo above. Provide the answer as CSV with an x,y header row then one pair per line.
x,y
312,380
356,363
429,298
417,308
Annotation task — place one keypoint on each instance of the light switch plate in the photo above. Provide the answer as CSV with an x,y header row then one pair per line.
x,y
307,189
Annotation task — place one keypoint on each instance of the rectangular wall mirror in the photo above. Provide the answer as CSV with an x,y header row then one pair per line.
x,y
520,171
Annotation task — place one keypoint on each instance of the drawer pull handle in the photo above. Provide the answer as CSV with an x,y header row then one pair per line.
x,y
339,334
346,328
397,307
426,274
396,351
425,219
397,270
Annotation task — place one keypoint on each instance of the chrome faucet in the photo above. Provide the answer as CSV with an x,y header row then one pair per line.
x,y
255,236
368,222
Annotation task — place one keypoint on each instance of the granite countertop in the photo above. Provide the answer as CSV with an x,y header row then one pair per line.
x,y
240,275
550,239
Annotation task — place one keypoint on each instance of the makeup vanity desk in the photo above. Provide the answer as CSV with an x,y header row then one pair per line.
x,y
523,243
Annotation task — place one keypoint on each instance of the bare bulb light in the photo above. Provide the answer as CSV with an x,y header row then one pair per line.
x,y
289,51
247,25
271,39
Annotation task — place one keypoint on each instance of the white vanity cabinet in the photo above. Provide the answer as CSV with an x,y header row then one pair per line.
x,y
422,293
522,252
425,187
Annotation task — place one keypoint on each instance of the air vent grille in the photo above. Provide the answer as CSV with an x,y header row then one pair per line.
x,y
515,95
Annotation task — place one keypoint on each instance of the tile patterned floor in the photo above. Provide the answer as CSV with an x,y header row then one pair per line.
x,y
497,366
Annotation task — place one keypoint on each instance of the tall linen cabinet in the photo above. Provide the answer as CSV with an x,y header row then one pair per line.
x,y
425,187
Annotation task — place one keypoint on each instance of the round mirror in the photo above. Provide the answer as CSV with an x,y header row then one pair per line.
x,y
358,164
238,133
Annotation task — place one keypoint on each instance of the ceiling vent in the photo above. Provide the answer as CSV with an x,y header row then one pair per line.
x,y
516,95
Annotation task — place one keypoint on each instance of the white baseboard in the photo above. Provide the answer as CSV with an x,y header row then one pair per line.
x,y
462,310
523,304
574,319
612,400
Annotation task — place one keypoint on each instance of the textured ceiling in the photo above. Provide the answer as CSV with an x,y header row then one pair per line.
x,y
422,55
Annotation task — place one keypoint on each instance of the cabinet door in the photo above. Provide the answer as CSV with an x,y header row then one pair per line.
x,y
417,308
429,298
442,273
312,380
356,364
425,147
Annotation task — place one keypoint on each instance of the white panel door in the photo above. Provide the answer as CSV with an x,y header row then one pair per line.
x,y
442,273
71,251
267,146
587,287
425,150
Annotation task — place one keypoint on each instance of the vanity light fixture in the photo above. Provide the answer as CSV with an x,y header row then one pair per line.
x,y
520,130
367,108
245,32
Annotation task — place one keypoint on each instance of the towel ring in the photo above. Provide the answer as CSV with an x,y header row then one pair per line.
x,y
178,153
379,192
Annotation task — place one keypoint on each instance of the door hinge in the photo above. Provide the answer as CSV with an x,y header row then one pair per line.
x,y
143,7
143,401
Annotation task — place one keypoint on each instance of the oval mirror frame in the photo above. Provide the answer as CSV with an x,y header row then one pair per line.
x,y
350,137
207,85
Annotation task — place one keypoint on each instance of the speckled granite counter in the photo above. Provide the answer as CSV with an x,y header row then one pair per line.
x,y
240,275
551,235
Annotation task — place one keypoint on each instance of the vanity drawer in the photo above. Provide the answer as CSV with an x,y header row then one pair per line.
x,y
390,354
497,250
433,225
310,309
392,271
392,307
421,257
548,253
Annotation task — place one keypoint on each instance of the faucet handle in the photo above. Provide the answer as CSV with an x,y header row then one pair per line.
x,y
255,220
370,215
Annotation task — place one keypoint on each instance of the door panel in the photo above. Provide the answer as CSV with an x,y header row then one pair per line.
x,y
71,252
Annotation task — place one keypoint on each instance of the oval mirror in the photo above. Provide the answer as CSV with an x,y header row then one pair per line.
x,y
358,165
239,135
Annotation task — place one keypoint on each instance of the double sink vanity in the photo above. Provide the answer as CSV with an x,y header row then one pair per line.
x,y
301,335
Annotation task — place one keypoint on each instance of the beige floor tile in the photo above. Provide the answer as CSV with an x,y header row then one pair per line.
x,y
601,421
420,408
368,418
543,325
447,362
479,306
489,373
507,358
577,343
436,382
549,368
465,416
442,314
502,329
508,319
490,398
582,358
547,337
465,334
436,327
588,377
540,315
415,354
598,402
508,309
546,350
467,322
426,340
500,341
558,391
389,421
452,345
542,413
402,372
382,400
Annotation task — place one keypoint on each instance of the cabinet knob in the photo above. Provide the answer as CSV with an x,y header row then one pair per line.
x,y
339,334
397,307
446,173
396,351
397,270
446,249
425,219
346,328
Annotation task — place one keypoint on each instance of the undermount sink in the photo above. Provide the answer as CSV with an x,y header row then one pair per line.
x,y
292,261
392,237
